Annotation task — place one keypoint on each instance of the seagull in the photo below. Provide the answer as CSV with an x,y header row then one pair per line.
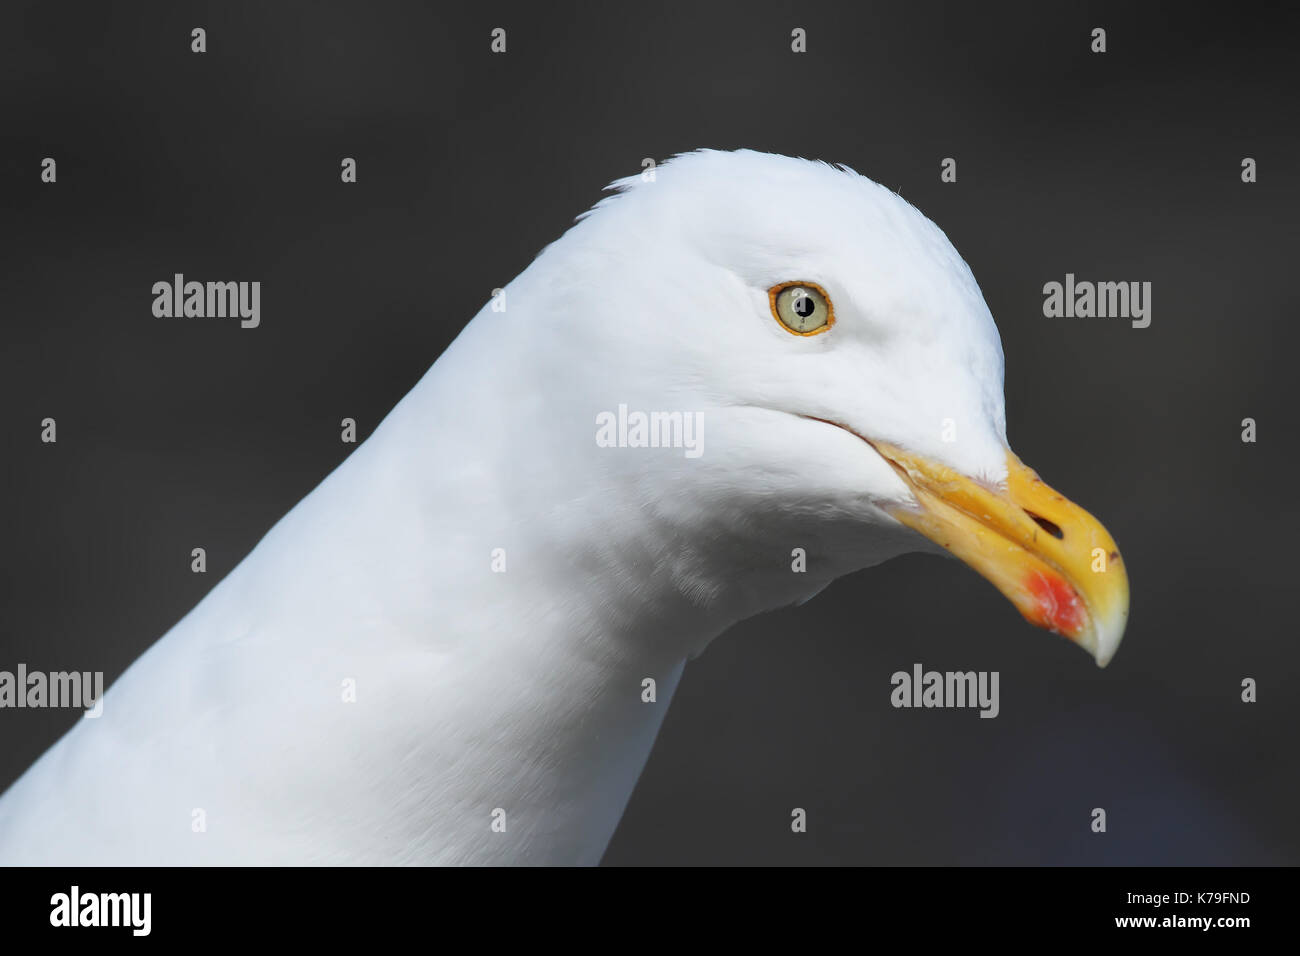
x,y
458,649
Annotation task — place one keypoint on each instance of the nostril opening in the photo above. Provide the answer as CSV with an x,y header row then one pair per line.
x,y
1050,527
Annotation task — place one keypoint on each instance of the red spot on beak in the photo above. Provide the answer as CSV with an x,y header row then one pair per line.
x,y
1059,608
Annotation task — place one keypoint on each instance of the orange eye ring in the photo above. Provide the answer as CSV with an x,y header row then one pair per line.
x,y
774,303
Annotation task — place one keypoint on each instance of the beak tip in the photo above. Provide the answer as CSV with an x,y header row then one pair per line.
x,y
1105,640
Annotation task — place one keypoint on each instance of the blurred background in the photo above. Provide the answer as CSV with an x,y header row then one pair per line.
x,y
1119,166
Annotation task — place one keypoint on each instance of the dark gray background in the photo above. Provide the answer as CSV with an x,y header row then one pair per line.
x,y
1123,166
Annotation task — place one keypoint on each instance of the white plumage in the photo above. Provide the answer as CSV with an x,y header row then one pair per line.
x,y
521,690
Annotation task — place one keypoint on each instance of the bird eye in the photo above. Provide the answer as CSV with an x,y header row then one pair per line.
x,y
802,307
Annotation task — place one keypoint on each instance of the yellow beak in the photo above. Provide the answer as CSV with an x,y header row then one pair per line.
x,y
1052,560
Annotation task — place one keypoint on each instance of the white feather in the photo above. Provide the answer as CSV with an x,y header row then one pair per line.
x,y
521,690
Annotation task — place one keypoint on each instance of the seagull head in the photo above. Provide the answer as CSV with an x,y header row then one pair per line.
x,y
833,360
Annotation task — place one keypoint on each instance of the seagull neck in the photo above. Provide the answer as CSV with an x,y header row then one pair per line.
x,y
550,626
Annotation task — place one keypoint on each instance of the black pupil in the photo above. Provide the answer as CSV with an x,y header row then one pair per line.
x,y
803,304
